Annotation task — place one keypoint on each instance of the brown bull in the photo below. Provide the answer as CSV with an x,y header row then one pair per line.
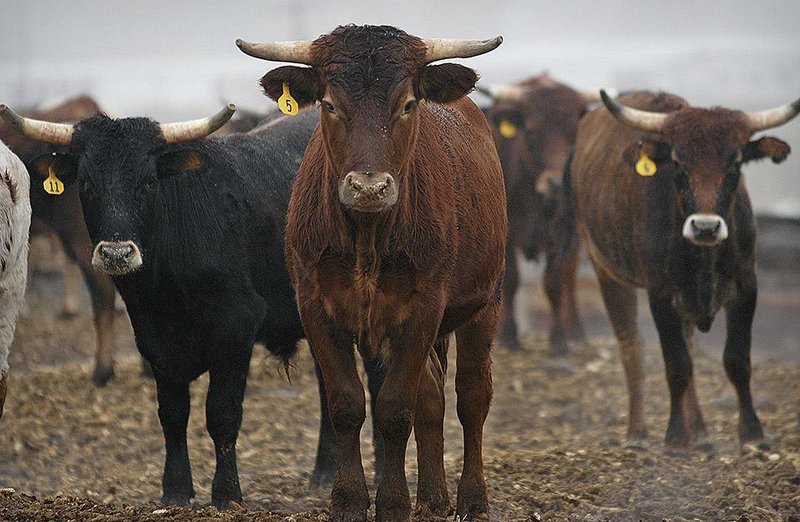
x,y
63,215
534,124
395,238
661,205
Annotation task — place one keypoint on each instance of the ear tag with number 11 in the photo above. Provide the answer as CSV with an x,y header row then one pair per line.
x,y
645,166
286,103
53,185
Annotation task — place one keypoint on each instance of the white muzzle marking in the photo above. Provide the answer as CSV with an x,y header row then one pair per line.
x,y
705,229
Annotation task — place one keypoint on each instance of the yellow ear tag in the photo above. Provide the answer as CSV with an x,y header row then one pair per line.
x,y
286,103
53,185
645,166
507,129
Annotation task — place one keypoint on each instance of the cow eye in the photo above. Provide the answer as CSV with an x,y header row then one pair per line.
x,y
328,106
410,105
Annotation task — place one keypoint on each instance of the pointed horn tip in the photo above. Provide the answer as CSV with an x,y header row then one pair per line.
x,y
239,43
231,107
795,105
610,104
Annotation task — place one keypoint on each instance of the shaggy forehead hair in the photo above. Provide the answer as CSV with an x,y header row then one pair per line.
x,y
368,60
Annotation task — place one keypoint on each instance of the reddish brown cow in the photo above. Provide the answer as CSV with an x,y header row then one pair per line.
x,y
395,238
63,215
534,124
682,228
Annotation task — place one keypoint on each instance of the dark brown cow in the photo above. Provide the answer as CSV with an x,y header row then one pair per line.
x,y
63,215
395,238
534,124
682,228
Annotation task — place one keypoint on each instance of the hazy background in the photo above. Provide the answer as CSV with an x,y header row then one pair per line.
x,y
177,59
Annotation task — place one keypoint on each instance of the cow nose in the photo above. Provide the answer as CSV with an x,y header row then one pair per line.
x,y
117,257
705,229
368,191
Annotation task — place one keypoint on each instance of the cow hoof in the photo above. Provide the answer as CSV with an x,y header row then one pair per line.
x,y
559,349
348,515
177,499
637,443
222,504
101,376
705,446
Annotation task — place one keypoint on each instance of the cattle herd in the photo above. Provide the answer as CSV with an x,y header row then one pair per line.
x,y
384,213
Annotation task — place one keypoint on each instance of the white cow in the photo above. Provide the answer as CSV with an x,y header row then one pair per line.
x,y
15,221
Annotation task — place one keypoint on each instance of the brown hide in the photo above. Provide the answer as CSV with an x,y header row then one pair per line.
x,y
64,215
545,114
640,233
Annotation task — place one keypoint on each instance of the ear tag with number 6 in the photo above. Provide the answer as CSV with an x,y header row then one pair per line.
x,y
507,129
645,166
53,185
286,103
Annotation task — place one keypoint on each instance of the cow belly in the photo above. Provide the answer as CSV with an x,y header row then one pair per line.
x,y
617,267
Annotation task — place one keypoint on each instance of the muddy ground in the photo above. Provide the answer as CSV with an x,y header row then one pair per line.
x,y
554,443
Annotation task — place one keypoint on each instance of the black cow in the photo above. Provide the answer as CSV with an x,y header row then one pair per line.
x,y
191,232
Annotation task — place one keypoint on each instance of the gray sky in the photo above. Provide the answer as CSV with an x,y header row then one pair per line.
x,y
177,59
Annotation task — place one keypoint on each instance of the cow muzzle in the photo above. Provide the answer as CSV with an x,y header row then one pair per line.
x,y
705,229
117,257
368,191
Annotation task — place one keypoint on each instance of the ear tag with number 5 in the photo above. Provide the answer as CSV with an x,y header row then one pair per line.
x,y
645,166
507,129
53,185
286,103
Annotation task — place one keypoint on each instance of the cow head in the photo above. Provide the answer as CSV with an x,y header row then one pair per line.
x,y
369,81
703,151
540,115
118,165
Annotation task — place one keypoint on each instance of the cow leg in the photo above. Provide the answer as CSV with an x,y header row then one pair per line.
x,y
620,302
474,393
508,335
103,294
396,410
333,350
559,284
72,286
432,498
224,418
737,356
678,366
376,374
697,425
173,412
325,463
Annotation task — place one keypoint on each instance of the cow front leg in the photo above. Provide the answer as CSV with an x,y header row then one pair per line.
x,y
678,367
173,412
474,394
508,335
376,374
333,350
736,357
223,419
397,402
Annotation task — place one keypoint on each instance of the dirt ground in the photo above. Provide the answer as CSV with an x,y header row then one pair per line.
x,y
554,440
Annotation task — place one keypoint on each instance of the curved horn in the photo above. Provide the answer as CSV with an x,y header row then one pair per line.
x,y
196,129
48,132
593,95
769,118
513,93
441,48
636,118
297,52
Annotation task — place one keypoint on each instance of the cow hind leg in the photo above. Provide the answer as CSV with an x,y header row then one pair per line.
x,y
376,374
325,462
736,358
474,393
620,302
223,419
173,412
432,498
559,284
697,425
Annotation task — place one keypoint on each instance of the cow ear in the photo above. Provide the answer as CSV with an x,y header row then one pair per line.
x,y
63,166
303,83
178,162
655,150
767,147
446,82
